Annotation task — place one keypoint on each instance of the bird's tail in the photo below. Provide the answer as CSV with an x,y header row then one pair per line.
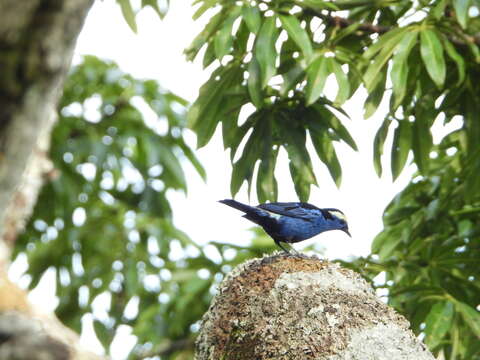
x,y
252,213
238,205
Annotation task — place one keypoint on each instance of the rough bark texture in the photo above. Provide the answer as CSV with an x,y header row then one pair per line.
x,y
28,334
37,38
23,338
284,307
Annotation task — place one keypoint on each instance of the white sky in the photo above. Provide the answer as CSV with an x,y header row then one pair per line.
x,y
157,52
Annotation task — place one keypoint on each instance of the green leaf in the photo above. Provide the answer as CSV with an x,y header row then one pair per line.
x,y
267,188
300,163
302,185
265,52
104,334
371,75
399,214
438,322
336,125
345,32
475,49
461,11
455,56
324,147
291,78
355,76
386,40
169,161
342,80
223,42
297,34
236,134
244,167
207,4
473,168
203,115
128,14
399,72
200,40
431,50
195,162
438,11
223,39
252,17
209,55
421,144
378,144
470,316
375,97
317,74
386,242
320,5
242,34
154,5
401,146
254,83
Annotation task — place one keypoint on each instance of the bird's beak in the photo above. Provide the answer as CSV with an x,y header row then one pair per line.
x,y
347,232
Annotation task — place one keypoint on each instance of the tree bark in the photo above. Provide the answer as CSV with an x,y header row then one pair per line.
x,y
37,38
284,307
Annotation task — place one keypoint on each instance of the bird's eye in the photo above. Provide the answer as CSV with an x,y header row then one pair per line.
x,y
342,222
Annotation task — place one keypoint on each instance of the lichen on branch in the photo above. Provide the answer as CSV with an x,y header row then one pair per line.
x,y
299,307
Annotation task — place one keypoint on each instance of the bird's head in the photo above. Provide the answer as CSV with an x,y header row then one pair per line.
x,y
338,220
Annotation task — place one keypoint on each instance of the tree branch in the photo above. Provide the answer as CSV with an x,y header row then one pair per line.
x,y
299,307
36,41
379,29
343,23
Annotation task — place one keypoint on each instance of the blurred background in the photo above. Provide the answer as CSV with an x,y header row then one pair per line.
x,y
128,243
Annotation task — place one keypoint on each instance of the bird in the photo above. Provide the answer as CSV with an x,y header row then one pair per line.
x,y
291,222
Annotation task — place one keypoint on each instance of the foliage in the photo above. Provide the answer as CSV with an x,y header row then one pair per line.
x,y
104,222
129,12
284,114
278,55
429,251
423,57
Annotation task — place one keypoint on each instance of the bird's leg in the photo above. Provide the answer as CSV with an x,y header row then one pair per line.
x,y
296,253
280,245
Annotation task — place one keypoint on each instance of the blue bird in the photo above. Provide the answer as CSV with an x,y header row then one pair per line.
x,y
291,222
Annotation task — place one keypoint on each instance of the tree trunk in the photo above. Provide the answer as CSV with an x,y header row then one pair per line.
x,y
37,38
285,307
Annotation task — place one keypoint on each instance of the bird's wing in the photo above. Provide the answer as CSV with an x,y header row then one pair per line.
x,y
293,209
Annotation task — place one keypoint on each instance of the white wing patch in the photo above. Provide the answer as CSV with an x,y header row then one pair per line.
x,y
272,214
339,215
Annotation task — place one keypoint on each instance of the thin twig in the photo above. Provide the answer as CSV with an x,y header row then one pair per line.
x,y
379,29
343,23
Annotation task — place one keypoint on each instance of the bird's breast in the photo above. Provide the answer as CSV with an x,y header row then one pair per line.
x,y
295,229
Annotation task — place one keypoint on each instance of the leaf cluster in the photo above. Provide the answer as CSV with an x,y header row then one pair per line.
x,y
429,252
129,12
103,221
278,56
